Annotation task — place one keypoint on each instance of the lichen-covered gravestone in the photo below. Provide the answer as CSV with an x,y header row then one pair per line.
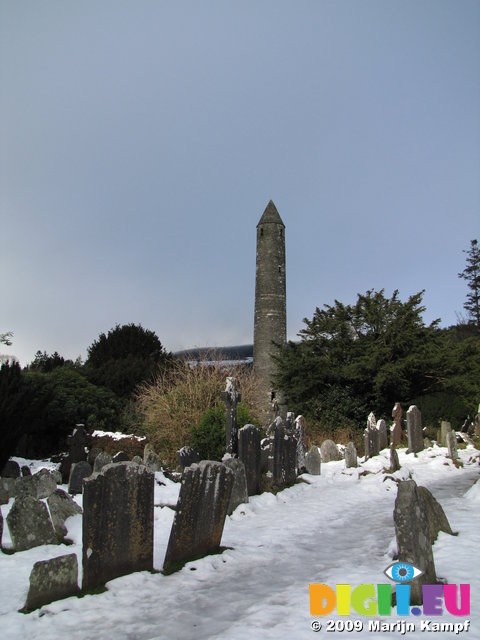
x,y
29,523
52,580
413,536
40,485
11,469
350,456
117,523
301,450
200,514
329,451
284,458
61,507
249,452
436,518
394,460
414,430
445,429
101,461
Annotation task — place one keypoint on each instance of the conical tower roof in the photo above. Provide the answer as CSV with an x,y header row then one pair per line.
x,y
270,215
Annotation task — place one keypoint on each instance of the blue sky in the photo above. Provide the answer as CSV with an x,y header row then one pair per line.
x,y
141,141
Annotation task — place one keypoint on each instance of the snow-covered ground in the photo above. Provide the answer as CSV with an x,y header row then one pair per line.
x,y
332,529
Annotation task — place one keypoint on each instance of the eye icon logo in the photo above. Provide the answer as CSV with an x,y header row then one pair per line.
x,y
402,572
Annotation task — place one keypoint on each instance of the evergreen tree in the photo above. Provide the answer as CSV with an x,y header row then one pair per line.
x,y
471,274
355,358
127,356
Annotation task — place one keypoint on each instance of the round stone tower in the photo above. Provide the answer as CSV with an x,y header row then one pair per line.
x,y
270,326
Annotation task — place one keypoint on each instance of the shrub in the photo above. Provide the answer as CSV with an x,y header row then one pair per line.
x,y
177,400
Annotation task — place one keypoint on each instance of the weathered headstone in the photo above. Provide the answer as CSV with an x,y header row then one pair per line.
x,y
61,507
239,493
436,518
117,523
78,473
187,456
445,429
290,423
299,434
414,430
231,397
152,461
26,471
101,461
413,537
39,485
137,460
200,514
329,451
249,453
350,456
29,523
11,469
371,437
266,455
382,435
394,459
397,428
52,580
452,445
284,458
477,423
313,461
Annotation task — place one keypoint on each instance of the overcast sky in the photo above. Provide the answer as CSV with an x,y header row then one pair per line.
x,y
141,141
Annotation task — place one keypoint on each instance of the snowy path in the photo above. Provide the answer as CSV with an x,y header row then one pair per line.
x,y
337,529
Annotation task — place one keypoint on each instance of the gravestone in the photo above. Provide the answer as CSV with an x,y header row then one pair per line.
x,y
397,428
266,455
29,523
249,452
413,537
200,514
39,485
299,434
92,454
284,457
151,460
313,461
120,456
26,471
137,460
117,523
329,451
452,445
52,580
7,489
436,518
239,493
11,469
382,435
231,397
394,460
187,456
351,456
78,473
445,429
290,423
477,423
101,461
61,507
414,430
370,436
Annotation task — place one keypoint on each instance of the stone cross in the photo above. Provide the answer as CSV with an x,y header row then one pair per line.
x,y
231,397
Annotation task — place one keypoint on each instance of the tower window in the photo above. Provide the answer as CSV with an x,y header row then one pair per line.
x,y
261,231
281,232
